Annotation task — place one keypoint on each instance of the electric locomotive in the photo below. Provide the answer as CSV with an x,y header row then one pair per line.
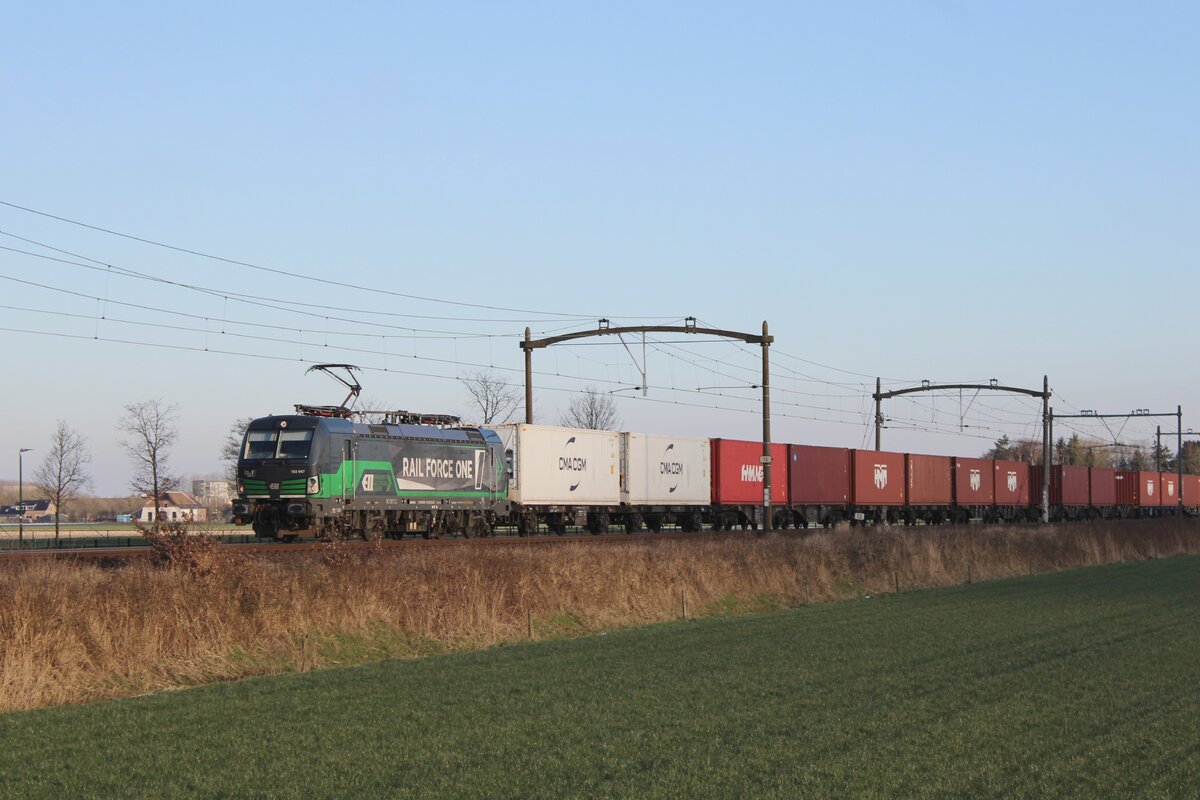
x,y
322,474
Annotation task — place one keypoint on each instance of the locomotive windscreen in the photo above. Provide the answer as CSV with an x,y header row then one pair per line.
x,y
262,445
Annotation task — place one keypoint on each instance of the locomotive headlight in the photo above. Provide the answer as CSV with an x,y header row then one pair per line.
x,y
314,484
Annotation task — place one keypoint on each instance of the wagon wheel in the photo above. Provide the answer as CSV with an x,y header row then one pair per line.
x,y
633,523
598,523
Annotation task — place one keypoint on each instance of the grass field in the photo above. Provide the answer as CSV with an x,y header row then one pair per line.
x,y
1077,684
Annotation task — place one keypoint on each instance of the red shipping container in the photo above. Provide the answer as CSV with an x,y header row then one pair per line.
x,y
1128,493
878,478
737,473
1014,484
1068,484
974,483
930,480
818,475
1170,491
1191,490
1103,482
1148,487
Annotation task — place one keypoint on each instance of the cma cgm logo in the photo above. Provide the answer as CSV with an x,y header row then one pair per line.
x,y
976,480
1170,488
1150,488
570,463
880,476
1012,481
666,466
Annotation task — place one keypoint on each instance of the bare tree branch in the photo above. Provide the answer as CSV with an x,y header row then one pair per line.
x,y
63,473
495,399
592,409
232,447
150,432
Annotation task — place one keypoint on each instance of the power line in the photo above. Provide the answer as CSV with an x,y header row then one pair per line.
x,y
103,267
388,369
296,275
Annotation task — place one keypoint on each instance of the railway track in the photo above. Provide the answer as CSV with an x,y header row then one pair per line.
x,y
144,551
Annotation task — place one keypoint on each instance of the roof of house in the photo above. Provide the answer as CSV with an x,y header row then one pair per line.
x,y
31,506
177,499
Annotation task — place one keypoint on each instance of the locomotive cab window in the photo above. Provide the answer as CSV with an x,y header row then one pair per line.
x,y
262,445
294,444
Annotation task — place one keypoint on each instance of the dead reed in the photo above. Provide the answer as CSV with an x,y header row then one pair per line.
x,y
75,632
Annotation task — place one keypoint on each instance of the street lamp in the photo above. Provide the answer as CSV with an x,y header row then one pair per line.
x,y
21,496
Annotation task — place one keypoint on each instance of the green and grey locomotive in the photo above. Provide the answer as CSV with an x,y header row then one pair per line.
x,y
302,475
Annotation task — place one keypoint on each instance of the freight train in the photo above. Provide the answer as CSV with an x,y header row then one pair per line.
x,y
427,475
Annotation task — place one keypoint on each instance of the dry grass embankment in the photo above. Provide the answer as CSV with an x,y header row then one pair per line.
x,y
76,632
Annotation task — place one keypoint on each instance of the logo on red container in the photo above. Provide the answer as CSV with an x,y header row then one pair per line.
x,y
880,476
1012,481
976,480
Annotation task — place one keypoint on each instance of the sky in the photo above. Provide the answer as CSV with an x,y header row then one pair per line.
x,y
911,191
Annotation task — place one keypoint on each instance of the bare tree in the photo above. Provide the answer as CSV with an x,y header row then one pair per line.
x,y
232,447
63,474
495,399
150,432
592,409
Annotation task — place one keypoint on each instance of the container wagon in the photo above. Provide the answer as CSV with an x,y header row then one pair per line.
x,y
818,484
974,489
1070,494
1103,487
1016,491
1170,491
737,484
930,488
1191,493
562,476
665,480
1149,485
877,486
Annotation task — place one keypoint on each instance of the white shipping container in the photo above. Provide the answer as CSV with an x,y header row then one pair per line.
x,y
562,466
665,470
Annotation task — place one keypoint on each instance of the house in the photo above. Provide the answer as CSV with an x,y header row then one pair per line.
x,y
174,507
35,511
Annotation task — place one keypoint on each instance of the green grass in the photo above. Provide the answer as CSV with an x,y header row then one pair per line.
x,y
1080,684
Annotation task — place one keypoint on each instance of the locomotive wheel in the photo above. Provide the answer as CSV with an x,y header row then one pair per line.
x,y
477,525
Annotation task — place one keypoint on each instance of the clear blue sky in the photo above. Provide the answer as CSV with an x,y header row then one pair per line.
x,y
924,190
